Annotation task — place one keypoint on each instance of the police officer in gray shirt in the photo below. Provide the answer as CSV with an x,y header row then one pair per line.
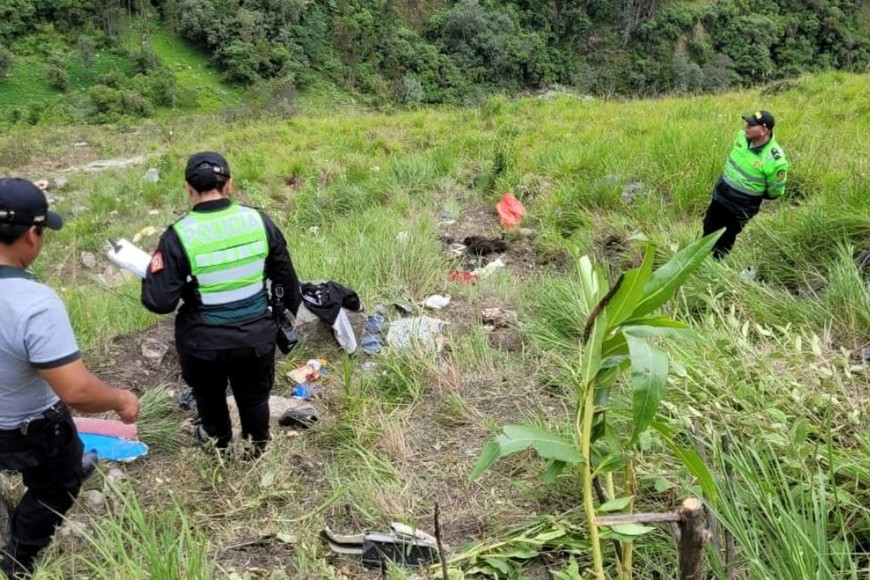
x,y
41,374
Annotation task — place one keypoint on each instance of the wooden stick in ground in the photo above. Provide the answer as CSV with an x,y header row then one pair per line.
x,y
441,555
712,524
730,571
693,536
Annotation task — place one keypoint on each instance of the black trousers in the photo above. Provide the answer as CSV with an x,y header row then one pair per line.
x,y
719,216
250,372
49,457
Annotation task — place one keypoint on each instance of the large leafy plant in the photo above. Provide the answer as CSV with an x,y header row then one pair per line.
x,y
616,342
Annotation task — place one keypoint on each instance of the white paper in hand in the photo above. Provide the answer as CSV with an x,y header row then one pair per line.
x,y
126,255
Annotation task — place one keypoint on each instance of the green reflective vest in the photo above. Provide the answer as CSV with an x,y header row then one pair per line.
x,y
758,173
227,251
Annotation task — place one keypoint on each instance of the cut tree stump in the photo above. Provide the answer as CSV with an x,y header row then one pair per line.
x,y
693,536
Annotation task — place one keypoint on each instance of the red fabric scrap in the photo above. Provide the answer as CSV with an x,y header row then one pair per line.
x,y
510,211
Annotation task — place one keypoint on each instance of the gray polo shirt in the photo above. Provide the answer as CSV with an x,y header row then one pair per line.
x,y
35,333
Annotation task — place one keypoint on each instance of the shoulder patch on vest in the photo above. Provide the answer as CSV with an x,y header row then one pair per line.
x,y
157,262
780,175
775,153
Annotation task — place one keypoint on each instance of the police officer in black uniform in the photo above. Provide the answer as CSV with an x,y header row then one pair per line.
x,y
216,260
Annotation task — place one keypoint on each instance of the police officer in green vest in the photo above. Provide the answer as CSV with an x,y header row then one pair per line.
x,y
756,170
216,260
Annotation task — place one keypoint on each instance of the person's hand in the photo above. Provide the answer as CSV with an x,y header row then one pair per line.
x,y
127,407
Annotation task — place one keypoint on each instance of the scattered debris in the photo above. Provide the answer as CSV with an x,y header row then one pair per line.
x,y
489,268
307,373
402,545
456,249
404,307
185,399
145,232
480,246
437,301
152,175
462,276
372,343
423,332
749,274
510,211
447,214
403,237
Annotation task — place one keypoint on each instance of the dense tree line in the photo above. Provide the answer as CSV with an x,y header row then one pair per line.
x,y
441,50
432,51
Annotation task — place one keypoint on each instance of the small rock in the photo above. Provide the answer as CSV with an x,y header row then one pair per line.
x,y
89,261
116,474
60,181
499,317
112,277
74,529
446,214
630,191
152,175
154,351
95,500
153,212
78,210
527,233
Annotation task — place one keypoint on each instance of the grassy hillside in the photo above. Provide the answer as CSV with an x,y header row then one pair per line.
x,y
779,365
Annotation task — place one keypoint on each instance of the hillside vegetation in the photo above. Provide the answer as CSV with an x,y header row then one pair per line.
x,y
108,61
779,365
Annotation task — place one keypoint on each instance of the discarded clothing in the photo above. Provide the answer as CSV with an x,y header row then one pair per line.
x,y
371,342
328,301
480,246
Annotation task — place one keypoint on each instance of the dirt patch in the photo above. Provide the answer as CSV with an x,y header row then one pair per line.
x,y
256,555
141,360
481,221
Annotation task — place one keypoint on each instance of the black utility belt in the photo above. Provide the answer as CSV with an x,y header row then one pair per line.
x,y
38,422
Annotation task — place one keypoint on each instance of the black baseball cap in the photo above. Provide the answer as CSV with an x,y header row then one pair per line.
x,y
763,118
206,170
22,203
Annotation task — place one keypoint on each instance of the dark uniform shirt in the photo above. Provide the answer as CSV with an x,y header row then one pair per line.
x,y
169,280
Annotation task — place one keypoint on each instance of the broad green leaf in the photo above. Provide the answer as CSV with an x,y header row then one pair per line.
x,y
545,537
630,292
499,564
589,279
516,438
659,326
553,471
649,375
631,529
616,505
614,345
591,352
490,454
665,281
690,459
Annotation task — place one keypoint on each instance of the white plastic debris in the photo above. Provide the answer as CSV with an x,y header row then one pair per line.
x,y
749,274
437,301
152,175
421,332
489,268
